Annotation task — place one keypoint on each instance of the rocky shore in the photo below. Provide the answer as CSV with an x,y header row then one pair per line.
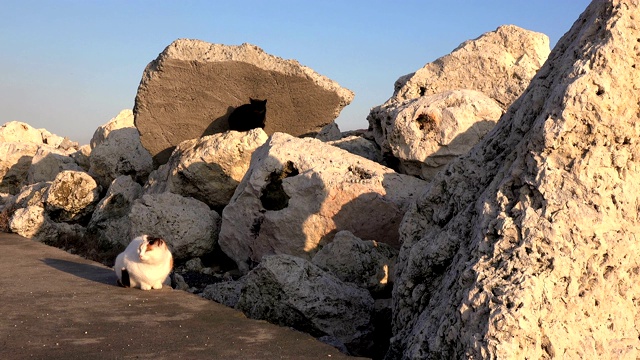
x,y
489,211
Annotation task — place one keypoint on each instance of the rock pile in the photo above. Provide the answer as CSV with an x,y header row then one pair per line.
x,y
525,247
518,247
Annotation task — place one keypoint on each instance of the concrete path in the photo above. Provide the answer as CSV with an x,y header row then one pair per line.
x,y
54,305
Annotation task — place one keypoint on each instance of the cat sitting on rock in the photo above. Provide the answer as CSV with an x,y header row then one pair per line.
x,y
145,263
248,116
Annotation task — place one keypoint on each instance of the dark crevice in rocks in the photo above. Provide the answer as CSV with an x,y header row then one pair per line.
x,y
273,195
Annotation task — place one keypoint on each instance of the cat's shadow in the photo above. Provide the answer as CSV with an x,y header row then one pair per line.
x,y
85,271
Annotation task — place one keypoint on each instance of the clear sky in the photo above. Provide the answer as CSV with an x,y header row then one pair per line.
x,y
71,65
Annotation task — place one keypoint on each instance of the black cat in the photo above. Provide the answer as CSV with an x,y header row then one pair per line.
x,y
248,116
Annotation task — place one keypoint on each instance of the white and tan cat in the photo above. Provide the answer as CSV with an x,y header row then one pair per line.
x,y
145,263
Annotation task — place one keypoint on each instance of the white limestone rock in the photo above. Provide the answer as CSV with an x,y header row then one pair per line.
x,y
290,291
426,133
72,196
15,161
48,162
188,225
367,264
32,222
110,224
209,168
360,146
299,192
499,64
123,120
118,151
527,246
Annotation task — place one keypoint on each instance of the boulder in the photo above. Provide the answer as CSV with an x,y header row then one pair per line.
x,y
32,222
71,197
360,146
82,157
190,89
118,151
31,195
426,133
499,64
15,161
226,293
123,120
209,168
48,162
526,246
329,132
16,131
290,291
299,192
367,264
110,224
188,225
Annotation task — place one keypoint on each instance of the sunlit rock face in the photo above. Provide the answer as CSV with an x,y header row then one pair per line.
x,y
299,192
440,111
526,246
192,87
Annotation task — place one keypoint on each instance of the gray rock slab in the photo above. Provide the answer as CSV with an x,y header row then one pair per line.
x,y
60,306
190,89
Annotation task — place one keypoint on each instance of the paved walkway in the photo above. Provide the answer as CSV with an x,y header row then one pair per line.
x,y
54,305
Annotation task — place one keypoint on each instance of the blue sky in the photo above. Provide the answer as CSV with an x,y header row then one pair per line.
x,y
70,66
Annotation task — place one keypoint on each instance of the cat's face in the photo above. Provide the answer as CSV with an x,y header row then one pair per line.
x,y
258,104
152,249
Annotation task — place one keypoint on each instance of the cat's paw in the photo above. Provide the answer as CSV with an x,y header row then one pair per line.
x,y
145,287
157,286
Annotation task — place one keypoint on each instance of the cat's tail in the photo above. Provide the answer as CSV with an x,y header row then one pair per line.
x,y
124,282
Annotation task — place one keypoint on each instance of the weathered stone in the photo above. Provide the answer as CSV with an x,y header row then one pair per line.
x,y
360,146
82,157
329,132
15,160
499,64
48,162
367,264
192,87
299,192
32,222
123,120
72,196
290,291
226,293
110,224
426,133
16,131
31,195
188,225
210,168
526,246
118,151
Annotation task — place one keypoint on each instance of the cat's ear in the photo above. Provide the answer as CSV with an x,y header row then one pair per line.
x,y
265,101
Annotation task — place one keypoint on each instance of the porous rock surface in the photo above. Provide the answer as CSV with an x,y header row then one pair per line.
x,y
110,224
527,246
426,133
71,196
365,263
117,150
190,89
188,225
299,192
499,64
209,168
291,291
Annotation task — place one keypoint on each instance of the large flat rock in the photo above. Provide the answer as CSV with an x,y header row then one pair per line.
x,y
192,87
